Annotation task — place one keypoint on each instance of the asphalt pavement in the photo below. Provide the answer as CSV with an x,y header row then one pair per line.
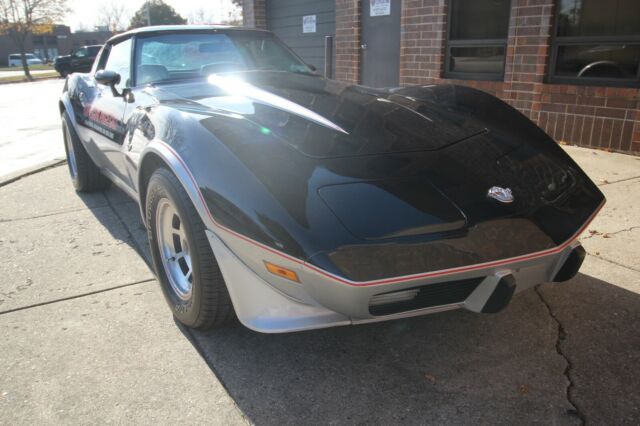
x,y
30,131
88,339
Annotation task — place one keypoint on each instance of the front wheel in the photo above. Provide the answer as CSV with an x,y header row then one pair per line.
x,y
185,265
85,175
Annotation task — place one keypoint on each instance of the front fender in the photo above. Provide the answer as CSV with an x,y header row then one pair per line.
x,y
158,150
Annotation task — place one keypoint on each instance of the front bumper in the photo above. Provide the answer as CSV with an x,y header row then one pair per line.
x,y
266,303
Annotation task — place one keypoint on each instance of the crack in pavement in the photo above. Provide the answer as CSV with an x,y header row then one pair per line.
x,y
576,411
597,233
617,181
614,262
77,296
61,212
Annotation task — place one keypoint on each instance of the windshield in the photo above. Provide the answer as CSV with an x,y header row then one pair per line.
x,y
186,56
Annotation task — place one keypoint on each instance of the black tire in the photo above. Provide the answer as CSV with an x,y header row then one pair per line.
x,y
86,176
208,304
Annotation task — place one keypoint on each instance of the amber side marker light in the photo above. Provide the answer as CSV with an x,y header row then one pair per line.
x,y
281,271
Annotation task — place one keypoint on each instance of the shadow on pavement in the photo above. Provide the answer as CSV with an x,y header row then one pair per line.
x,y
454,367
128,214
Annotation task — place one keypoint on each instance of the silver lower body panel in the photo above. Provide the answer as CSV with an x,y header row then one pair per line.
x,y
269,304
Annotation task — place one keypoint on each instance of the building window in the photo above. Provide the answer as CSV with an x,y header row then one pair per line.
x,y
596,43
477,39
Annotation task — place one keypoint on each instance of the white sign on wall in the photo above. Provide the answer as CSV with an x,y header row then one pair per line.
x,y
379,7
309,24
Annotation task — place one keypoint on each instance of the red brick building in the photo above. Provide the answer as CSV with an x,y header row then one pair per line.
x,y
572,66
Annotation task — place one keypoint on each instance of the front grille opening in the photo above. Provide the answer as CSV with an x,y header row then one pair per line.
x,y
425,296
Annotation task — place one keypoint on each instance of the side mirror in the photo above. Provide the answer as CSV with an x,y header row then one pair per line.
x,y
108,78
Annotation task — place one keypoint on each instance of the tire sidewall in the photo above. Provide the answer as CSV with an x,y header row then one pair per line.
x,y
68,133
161,187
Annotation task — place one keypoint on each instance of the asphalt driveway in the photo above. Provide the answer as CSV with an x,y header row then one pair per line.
x,y
88,339
30,134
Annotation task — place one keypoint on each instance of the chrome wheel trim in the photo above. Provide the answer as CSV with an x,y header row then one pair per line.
x,y
71,154
174,249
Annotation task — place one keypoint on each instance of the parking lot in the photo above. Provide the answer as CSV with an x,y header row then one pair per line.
x,y
87,337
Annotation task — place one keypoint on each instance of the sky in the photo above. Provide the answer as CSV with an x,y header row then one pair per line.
x,y
83,12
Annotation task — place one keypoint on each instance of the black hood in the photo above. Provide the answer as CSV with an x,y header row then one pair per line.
x,y
397,168
327,119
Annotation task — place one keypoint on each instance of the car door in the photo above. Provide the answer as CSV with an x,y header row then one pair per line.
x,y
105,113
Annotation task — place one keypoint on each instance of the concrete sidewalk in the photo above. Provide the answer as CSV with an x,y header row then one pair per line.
x,y
88,338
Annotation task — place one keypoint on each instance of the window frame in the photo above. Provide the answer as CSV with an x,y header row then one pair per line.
x,y
561,41
142,36
103,56
488,42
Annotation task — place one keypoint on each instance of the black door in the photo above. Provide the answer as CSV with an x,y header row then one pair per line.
x,y
381,43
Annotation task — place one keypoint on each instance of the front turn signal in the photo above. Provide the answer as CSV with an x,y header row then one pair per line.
x,y
281,271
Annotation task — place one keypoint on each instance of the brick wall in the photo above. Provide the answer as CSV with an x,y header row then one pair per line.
x,y
598,117
347,40
422,41
254,14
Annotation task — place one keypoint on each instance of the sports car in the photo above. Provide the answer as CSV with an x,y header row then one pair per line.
x,y
293,202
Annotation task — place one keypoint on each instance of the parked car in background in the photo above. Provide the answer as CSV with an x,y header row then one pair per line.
x,y
15,61
300,202
79,61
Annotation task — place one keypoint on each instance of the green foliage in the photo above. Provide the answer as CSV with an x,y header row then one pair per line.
x,y
159,13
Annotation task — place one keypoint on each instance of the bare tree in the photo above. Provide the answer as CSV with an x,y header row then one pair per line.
x,y
19,18
114,16
200,16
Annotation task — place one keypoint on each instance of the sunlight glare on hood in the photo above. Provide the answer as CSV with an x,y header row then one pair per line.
x,y
237,87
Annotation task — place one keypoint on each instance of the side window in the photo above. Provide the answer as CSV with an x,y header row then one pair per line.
x,y
119,60
80,53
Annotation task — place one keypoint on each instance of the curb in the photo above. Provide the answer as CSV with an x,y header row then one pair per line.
x,y
30,171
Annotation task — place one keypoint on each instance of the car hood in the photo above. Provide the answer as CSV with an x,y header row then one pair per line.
x,y
391,168
326,119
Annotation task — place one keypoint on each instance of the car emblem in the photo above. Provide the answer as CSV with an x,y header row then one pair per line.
x,y
504,195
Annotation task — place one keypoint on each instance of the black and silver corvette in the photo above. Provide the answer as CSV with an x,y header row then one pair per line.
x,y
299,202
